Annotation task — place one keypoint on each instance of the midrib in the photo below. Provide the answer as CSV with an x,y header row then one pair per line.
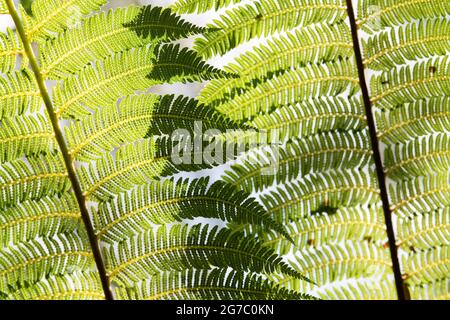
x,y
68,160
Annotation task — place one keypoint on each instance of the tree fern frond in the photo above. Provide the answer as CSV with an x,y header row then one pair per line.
x,y
420,157
423,194
51,16
76,286
336,262
31,261
215,284
110,127
427,266
330,190
312,81
262,18
175,64
296,49
322,114
410,42
25,135
412,120
360,223
181,247
24,180
427,230
438,290
18,94
411,83
174,201
397,12
200,6
101,85
332,150
105,33
44,218
11,51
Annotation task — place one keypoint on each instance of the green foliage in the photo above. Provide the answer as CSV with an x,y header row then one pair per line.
x,y
82,138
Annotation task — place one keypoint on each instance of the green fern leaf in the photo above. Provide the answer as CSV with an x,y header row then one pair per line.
x,y
50,16
11,51
181,247
298,48
106,33
331,189
26,135
262,18
334,150
174,201
18,94
215,284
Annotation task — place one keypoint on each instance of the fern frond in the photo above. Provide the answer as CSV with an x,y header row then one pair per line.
x,y
296,49
360,223
312,81
175,64
330,190
427,266
410,42
76,286
423,231
397,12
315,116
35,178
106,33
19,93
262,18
200,6
31,261
32,219
181,247
332,150
52,16
423,194
412,120
420,157
215,284
174,201
25,135
337,262
11,51
411,83
101,85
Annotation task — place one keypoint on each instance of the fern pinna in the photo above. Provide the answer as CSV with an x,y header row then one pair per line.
x,y
92,205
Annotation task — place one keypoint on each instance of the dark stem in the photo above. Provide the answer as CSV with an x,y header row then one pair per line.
x,y
62,145
376,155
